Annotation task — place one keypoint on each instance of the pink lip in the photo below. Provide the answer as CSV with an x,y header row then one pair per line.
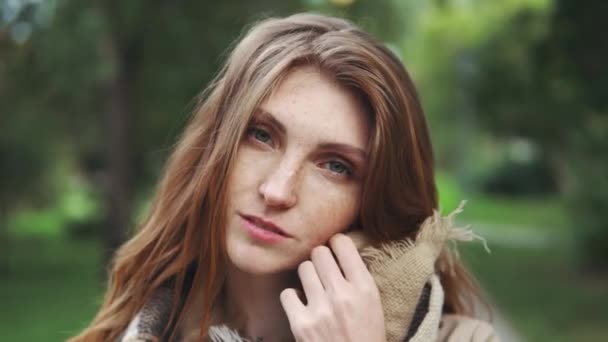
x,y
263,230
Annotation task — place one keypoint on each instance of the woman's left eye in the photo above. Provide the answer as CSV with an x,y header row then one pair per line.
x,y
338,167
260,135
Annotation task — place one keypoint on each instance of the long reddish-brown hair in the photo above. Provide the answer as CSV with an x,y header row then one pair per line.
x,y
182,241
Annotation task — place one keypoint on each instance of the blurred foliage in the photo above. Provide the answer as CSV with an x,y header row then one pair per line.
x,y
440,52
542,77
515,92
520,178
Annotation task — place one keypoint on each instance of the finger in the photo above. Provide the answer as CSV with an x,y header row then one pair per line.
x,y
291,304
327,269
313,288
350,261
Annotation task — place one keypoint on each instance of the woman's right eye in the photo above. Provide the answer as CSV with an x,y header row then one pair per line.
x,y
260,135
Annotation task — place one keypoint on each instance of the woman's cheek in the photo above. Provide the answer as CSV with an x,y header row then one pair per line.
x,y
336,216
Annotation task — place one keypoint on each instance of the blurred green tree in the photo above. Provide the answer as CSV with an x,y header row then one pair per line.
x,y
544,78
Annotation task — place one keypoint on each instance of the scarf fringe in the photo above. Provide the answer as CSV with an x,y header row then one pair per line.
x,y
222,333
436,230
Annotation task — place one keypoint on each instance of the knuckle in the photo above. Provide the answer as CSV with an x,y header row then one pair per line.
x,y
342,302
324,313
370,291
367,282
343,299
302,327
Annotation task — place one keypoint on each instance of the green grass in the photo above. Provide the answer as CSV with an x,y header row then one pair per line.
x,y
538,212
546,213
50,289
543,292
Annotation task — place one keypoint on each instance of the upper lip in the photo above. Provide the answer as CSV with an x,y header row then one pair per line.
x,y
266,224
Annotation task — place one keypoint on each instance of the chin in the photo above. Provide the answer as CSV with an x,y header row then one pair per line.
x,y
252,266
258,260
260,269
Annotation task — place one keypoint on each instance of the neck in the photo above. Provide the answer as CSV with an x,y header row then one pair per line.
x,y
252,304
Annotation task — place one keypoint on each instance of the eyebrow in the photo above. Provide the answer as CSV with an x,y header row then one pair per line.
x,y
264,115
345,148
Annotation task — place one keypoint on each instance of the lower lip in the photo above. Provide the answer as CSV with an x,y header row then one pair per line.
x,y
261,234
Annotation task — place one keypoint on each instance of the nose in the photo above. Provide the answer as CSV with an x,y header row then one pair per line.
x,y
279,188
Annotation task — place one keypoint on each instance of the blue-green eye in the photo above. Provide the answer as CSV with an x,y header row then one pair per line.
x,y
260,135
339,168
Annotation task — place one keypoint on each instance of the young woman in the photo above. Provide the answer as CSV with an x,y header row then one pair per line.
x,y
310,139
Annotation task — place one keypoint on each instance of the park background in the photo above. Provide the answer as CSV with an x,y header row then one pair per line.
x,y
94,93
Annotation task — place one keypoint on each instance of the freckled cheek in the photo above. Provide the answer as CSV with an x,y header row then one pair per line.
x,y
333,214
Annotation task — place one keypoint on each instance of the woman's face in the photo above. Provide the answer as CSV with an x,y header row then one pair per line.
x,y
299,170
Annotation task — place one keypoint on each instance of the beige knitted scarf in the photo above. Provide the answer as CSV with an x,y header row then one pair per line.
x,y
404,271
402,268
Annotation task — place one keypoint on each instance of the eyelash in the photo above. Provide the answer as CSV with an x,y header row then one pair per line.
x,y
253,131
348,172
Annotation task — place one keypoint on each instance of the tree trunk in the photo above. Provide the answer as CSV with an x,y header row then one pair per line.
x,y
119,184
122,48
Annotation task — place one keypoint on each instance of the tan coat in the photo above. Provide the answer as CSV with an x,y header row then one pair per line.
x,y
454,328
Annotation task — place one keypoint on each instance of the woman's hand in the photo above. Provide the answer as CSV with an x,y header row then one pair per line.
x,y
339,307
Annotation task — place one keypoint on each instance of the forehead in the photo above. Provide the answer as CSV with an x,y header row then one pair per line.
x,y
315,108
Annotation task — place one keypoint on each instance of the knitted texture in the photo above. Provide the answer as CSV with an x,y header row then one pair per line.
x,y
402,268
428,329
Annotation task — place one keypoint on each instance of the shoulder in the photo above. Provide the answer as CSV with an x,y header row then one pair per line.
x,y
456,328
